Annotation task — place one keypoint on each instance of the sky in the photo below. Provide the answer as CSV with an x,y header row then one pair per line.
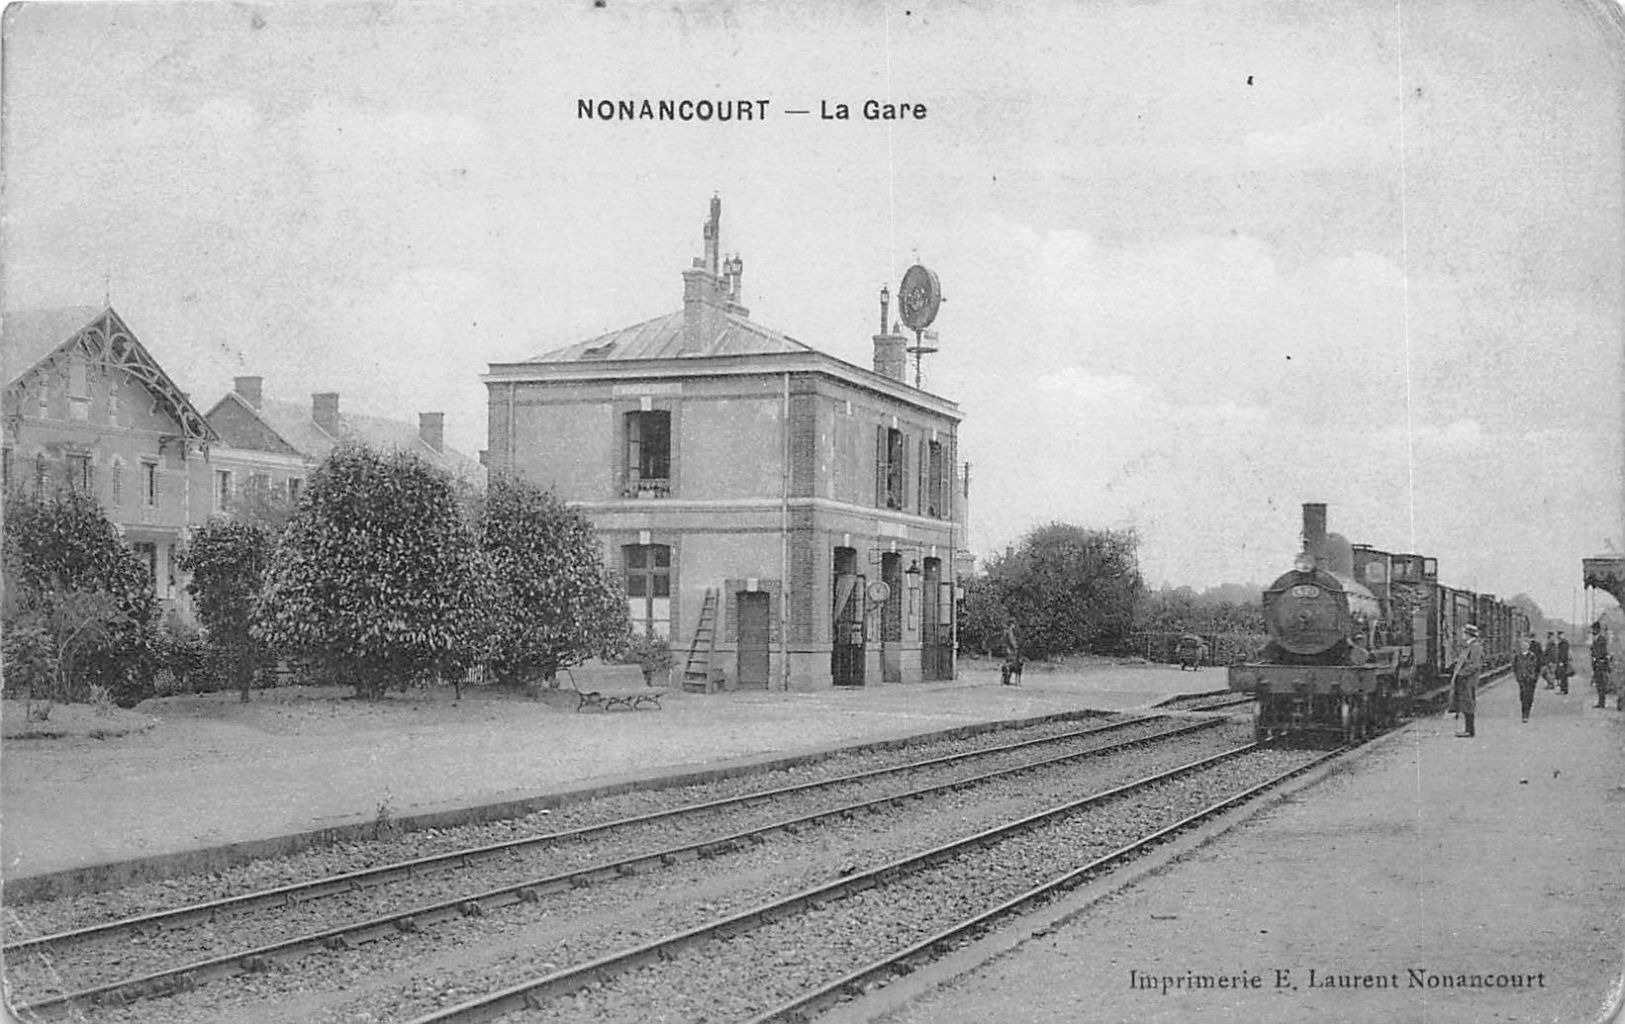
x,y
1203,263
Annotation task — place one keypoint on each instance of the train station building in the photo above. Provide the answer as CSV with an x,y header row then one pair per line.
x,y
784,518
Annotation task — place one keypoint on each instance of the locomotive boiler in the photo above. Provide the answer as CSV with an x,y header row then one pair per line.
x,y
1360,638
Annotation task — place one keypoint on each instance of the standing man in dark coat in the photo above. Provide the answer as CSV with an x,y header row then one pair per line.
x,y
1464,678
1599,663
1526,669
1548,660
1012,654
1563,668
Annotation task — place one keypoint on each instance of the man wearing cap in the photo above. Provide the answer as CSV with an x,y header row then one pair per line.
x,y
1599,663
1548,660
1464,677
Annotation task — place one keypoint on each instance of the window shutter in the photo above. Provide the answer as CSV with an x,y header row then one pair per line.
x,y
880,466
902,473
922,485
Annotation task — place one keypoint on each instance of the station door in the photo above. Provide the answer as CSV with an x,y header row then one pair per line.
x,y
754,640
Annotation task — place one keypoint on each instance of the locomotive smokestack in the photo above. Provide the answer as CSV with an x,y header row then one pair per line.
x,y
1314,531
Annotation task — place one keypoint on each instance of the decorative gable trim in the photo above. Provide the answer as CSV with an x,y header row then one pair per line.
x,y
106,342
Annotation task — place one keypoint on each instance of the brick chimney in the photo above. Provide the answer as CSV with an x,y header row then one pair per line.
x,y
248,387
705,291
891,348
324,410
432,430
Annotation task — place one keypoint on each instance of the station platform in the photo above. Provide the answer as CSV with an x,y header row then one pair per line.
x,y
1427,879
192,783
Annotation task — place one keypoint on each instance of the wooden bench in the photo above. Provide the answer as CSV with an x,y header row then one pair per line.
x,y
612,686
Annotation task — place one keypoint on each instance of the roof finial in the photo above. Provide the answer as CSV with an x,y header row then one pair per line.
x,y
107,288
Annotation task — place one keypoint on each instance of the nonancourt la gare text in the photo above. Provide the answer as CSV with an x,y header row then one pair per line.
x,y
591,109
1288,980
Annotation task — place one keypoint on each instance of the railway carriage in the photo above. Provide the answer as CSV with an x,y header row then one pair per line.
x,y
1361,638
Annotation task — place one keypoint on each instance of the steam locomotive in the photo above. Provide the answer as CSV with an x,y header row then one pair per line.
x,y
1361,639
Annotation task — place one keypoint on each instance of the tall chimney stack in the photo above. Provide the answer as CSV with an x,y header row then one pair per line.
x,y
713,236
324,410
432,430
705,291
1314,531
248,387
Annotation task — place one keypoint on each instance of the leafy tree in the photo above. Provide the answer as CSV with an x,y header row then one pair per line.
x,y
1070,589
70,576
981,615
554,603
377,577
1538,621
227,559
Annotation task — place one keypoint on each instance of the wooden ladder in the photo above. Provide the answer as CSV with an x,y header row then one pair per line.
x,y
697,672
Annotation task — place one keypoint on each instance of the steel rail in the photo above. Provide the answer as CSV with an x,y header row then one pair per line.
x,y
349,881
190,976
812,1003
518,997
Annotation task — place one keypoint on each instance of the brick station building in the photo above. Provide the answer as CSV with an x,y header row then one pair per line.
x,y
786,519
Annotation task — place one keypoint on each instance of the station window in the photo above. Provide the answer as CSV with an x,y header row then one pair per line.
x,y
648,453
79,472
891,468
648,589
937,503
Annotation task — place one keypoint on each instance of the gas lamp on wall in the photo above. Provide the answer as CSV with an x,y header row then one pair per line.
x,y
912,577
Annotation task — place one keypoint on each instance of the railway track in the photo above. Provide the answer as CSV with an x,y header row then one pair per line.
x,y
59,953
629,984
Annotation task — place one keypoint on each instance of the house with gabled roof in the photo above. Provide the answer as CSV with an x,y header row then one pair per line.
x,y
785,519
272,445
88,408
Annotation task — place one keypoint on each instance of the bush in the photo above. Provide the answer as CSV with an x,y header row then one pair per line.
x,y
30,662
226,560
651,653
552,603
376,577
185,662
68,573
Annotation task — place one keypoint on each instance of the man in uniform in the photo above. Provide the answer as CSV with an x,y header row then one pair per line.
x,y
1464,677
1599,663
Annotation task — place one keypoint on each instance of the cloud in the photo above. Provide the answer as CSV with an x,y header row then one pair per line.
x,y
1341,136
